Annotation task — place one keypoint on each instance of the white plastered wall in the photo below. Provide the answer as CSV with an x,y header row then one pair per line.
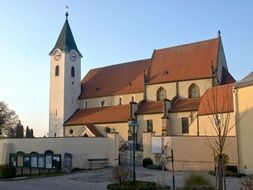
x,y
110,100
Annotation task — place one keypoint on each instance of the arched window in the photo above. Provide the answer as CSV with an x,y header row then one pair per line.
x,y
161,94
193,91
72,72
57,71
102,102
132,98
120,100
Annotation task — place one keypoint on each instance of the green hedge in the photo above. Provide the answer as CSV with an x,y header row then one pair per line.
x,y
7,171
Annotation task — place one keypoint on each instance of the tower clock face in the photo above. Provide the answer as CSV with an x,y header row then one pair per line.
x,y
57,54
73,55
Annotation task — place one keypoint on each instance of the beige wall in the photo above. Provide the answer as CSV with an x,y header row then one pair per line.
x,y
110,100
142,124
190,153
244,128
80,148
183,86
207,124
176,123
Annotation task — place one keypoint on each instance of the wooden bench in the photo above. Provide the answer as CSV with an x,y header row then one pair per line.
x,y
102,161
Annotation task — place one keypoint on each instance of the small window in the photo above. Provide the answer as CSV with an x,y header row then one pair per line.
x,y
57,71
193,91
149,125
120,101
185,125
102,102
161,94
86,104
71,131
72,71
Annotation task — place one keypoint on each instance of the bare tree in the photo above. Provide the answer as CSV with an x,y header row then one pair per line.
x,y
8,121
217,103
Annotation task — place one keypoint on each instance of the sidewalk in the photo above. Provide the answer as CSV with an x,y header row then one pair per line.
x,y
99,178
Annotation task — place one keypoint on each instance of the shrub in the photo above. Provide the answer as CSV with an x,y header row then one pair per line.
x,y
7,171
194,182
76,169
232,168
140,185
146,162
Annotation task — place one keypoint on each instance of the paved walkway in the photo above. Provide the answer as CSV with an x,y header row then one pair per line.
x,y
99,178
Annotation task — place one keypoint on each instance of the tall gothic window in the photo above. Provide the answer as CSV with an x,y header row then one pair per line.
x,y
72,72
185,125
193,91
57,71
161,94
149,126
120,101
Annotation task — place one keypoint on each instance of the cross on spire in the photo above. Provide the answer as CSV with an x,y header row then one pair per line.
x,y
67,12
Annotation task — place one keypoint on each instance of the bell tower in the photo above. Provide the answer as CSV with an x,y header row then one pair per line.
x,y
65,80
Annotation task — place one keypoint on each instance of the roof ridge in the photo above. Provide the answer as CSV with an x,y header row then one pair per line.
x,y
118,64
186,44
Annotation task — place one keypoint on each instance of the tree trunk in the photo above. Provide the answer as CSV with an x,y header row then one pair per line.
x,y
220,173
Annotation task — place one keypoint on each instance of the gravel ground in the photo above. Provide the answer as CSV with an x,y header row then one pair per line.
x,y
99,178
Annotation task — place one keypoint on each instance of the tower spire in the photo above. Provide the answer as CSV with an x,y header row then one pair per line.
x,y
67,12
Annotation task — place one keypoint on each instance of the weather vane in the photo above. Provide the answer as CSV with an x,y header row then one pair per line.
x,y
67,11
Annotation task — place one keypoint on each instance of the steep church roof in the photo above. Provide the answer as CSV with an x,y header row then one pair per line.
x,y
109,114
66,41
126,78
184,105
184,62
217,100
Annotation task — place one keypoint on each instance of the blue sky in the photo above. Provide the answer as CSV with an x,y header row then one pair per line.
x,y
108,32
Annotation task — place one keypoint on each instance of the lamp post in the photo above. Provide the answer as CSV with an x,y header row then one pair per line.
x,y
133,129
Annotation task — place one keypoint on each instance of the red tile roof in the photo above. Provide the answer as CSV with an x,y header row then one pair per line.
x,y
126,78
94,130
182,105
151,107
110,114
217,100
185,62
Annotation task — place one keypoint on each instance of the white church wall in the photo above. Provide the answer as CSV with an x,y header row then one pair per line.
x,y
151,90
203,85
72,85
183,87
81,148
56,109
110,100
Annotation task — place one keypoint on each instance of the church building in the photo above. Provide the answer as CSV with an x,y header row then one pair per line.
x,y
171,93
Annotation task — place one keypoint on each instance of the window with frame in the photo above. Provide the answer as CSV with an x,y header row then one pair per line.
x,y
120,101
161,94
185,125
57,71
193,91
149,125
72,71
